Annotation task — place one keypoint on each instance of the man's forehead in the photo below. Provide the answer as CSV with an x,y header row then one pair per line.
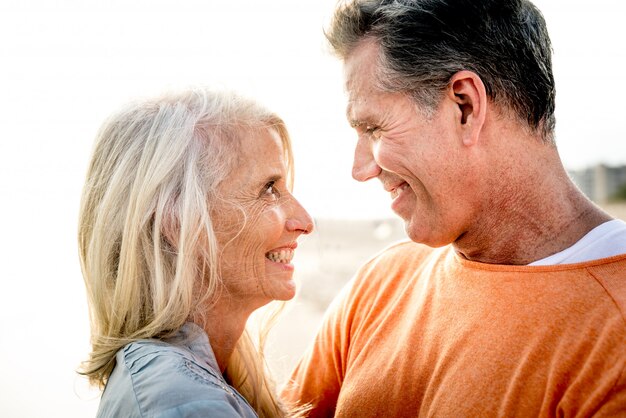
x,y
352,96
360,76
360,106
362,61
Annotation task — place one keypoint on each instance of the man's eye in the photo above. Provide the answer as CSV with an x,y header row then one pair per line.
x,y
373,131
270,190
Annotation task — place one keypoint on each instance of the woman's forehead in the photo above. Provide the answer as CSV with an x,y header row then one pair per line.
x,y
260,157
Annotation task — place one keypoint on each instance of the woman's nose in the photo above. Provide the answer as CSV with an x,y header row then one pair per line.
x,y
300,220
365,166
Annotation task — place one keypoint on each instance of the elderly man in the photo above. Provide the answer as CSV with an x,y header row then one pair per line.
x,y
511,301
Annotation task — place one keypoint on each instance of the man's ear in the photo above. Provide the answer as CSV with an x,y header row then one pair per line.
x,y
467,91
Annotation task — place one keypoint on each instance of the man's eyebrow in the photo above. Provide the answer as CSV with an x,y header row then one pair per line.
x,y
349,113
353,122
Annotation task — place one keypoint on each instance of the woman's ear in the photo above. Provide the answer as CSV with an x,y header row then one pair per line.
x,y
467,91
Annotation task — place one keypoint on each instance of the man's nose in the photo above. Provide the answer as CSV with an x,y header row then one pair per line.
x,y
365,166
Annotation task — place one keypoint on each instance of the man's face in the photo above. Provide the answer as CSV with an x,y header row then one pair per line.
x,y
420,160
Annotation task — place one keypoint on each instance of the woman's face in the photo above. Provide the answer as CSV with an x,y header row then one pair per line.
x,y
257,224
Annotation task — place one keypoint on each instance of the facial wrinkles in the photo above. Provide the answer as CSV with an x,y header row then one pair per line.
x,y
361,95
388,111
368,104
230,235
370,107
242,200
274,215
248,264
395,147
396,126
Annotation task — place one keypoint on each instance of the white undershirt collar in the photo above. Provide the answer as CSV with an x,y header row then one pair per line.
x,y
605,240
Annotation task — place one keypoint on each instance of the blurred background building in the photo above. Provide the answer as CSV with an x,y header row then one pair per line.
x,y
601,183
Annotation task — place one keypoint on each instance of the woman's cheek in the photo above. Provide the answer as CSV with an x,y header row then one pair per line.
x,y
274,219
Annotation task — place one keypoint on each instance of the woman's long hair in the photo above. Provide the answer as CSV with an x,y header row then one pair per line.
x,y
145,233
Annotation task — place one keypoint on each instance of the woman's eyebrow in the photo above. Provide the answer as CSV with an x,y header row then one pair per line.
x,y
269,178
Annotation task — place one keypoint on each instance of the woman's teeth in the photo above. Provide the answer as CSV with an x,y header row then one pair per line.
x,y
283,256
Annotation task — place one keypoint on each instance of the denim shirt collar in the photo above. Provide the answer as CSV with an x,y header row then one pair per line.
x,y
196,340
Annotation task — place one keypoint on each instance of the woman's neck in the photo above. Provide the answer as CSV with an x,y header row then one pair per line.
x,y
224,322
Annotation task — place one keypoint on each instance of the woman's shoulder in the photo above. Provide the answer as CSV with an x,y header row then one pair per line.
x,y
154,378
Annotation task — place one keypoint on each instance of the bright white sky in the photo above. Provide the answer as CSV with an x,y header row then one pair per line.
x,y
66,65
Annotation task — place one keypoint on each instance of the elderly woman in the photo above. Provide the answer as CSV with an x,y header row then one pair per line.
x,y
187,225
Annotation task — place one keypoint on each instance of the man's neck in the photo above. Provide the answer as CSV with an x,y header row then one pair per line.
x,y
530,217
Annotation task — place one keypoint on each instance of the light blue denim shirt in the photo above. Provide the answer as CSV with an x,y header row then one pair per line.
x,y
177,378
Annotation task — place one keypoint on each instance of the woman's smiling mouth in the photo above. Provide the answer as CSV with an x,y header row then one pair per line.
x,y
282,255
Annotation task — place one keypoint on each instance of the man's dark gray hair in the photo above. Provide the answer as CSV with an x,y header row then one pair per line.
x,y
423,43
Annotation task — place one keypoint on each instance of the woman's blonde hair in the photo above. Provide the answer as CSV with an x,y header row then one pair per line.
x,y
145,231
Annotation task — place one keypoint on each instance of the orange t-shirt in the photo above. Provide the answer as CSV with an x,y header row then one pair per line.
x,y
423,332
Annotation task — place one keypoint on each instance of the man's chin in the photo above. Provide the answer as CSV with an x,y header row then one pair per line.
x,y
413,231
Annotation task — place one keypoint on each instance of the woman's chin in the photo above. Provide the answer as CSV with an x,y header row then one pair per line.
x,y
286,291
279,282
283,290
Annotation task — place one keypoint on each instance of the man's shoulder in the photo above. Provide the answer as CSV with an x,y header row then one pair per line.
x,y
393,266
610,273
402,258
402,252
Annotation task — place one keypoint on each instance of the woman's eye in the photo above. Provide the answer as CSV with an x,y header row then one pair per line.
x,y
270,190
